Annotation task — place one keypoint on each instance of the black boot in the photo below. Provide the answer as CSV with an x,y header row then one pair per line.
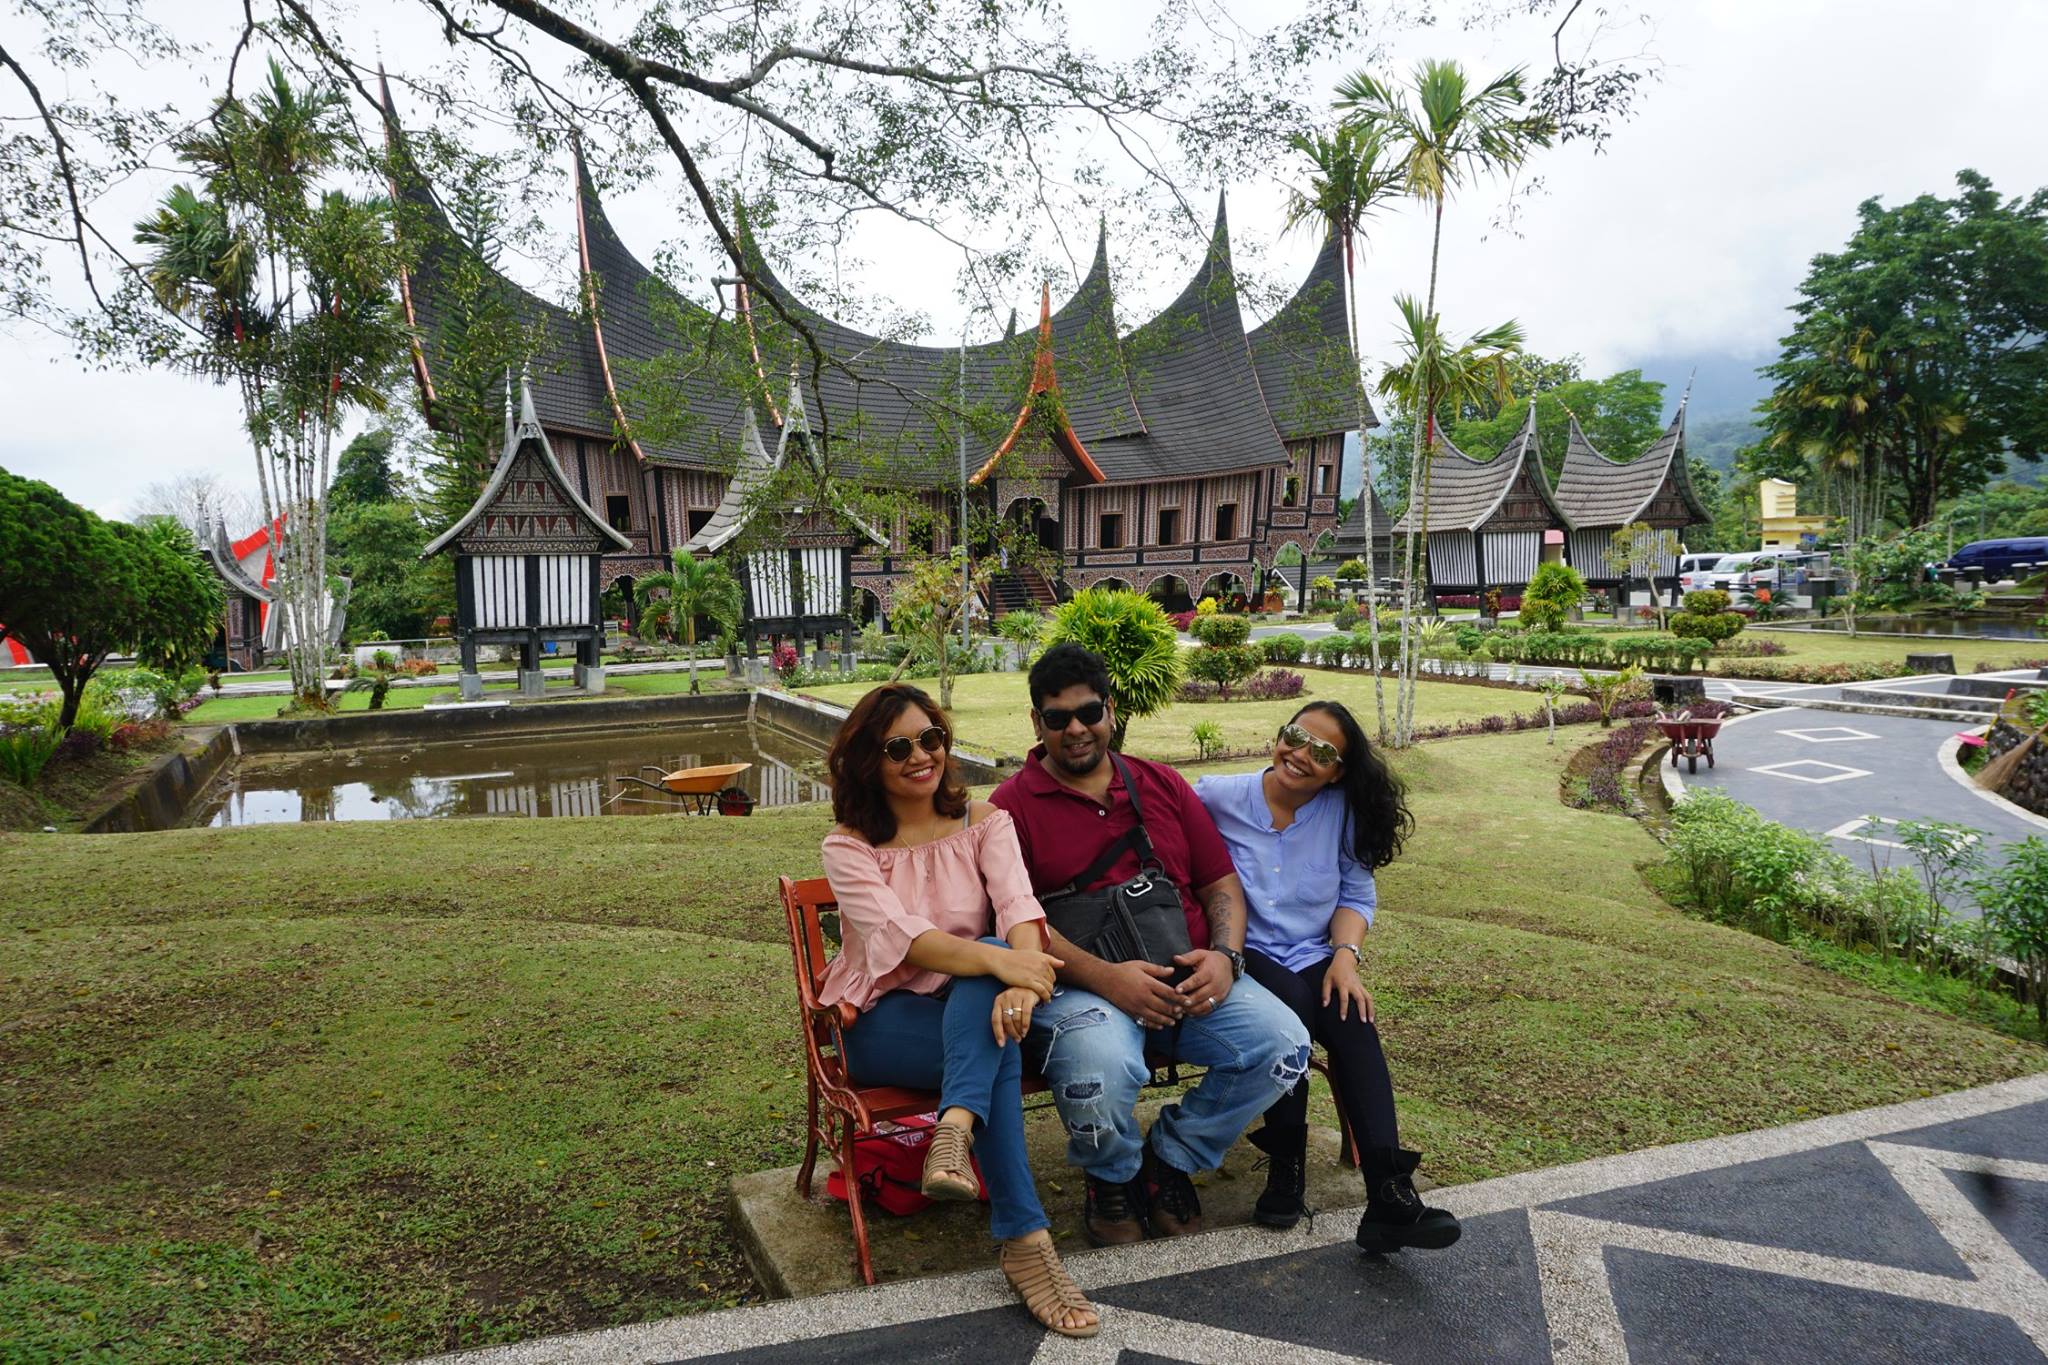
x,y
1286,1149
1395,1215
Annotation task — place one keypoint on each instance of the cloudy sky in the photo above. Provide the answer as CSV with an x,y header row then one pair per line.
x,y
1680,244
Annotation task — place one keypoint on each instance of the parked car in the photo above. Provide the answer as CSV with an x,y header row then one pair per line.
x,y
1696,572
2003,559
1739,574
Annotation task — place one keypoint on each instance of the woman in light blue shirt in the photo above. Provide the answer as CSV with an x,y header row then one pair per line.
x,y
1305,836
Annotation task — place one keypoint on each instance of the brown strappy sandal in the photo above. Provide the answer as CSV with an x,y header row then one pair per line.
x,y
1034,1271
947,1172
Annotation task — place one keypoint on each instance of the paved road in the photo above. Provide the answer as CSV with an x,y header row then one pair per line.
x,y
1826,771
1913,1233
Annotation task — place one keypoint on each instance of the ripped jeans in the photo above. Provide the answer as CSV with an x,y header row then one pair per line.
x,y
1093,1057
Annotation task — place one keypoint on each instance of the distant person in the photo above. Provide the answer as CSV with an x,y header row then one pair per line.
x,y
918,870
1305,835
1080,831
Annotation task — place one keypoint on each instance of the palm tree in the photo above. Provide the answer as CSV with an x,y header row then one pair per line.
x,y
289,292
1348,183
1452,131
697,587
1433,375
1137,643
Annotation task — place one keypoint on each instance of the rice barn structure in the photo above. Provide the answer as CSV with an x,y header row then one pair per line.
x,y
1176,457
1485,523
1598,496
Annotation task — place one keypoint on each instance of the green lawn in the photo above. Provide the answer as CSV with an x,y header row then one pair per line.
x,y
299,1092
1836,647
991,711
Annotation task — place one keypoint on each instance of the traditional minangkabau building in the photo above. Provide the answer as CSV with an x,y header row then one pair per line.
x,y
1366,534
252,624
527,554
1490,522
1177,457
1598,496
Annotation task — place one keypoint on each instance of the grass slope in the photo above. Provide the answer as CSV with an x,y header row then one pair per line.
x,y
369,1090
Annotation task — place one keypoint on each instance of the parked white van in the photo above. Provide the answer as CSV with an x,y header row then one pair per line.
x,y
1696,572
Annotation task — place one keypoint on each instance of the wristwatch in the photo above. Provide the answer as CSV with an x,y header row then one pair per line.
x,y
1357,954
1236,962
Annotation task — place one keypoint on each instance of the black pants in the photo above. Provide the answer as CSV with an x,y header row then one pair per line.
x,y
1359,1067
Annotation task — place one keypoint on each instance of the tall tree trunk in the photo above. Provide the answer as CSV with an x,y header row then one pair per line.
x,y
1372,610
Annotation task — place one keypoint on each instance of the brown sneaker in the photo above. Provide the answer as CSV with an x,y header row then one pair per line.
x,y
1170,1198
1110,1214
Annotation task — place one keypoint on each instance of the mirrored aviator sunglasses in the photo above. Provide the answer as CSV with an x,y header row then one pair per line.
x,y
1059,717
1324,753
931,739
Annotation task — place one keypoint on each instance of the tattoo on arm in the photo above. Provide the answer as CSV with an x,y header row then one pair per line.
x,y
1223,907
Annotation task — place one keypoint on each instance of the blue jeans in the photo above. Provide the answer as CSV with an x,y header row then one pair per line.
x,y
944,1042
1093,1057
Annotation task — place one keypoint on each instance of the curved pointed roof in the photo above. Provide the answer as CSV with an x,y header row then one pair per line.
x,y
569,388
1464,493
1184,395
526,432
1593,490
1307,367
1192,376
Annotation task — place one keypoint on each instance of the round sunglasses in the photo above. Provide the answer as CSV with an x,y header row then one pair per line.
x,y
1321,751
1057,718
931,739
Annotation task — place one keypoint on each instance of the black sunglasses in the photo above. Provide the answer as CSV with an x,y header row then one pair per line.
x,y
1059,717
931,739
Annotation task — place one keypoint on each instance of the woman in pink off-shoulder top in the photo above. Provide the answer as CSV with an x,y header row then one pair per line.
x,y
918,871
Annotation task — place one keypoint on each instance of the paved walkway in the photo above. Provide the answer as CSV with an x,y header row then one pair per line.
x,y
1913,1233
1828,771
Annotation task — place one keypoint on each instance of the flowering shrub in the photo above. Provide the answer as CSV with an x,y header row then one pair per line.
x,y
1748,648
1799,672
2016,663
786,662
1275,684
1578,713
1500,601
1604,783
1182,619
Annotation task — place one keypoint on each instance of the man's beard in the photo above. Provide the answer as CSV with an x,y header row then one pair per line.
x,y
1069,765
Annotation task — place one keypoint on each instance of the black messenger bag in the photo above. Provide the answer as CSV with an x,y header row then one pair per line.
x,y
1136,920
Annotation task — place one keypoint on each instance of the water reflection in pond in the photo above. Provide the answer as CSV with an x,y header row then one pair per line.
x,y
522,776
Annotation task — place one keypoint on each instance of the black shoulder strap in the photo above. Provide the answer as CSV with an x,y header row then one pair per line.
x,y
1134,837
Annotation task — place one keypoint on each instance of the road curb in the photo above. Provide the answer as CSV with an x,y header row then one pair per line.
x,y
1950,747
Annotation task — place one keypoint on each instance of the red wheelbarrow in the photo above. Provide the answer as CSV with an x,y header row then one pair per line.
x,y
1691,738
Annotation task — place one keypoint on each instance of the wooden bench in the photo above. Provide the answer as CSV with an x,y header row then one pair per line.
x,y
840,1114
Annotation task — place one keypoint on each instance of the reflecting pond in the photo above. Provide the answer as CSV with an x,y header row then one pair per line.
x,y
540,775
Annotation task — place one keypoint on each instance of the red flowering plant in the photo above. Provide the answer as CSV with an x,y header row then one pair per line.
x,y
786,661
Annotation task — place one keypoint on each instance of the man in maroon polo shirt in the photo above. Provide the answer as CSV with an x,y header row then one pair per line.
x,y
1069,804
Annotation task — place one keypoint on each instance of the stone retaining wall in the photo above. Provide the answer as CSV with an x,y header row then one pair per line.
x,y
2029,786
168,787
429,725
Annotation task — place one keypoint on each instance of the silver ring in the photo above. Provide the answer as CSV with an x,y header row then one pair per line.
x,y
1012,1011
1212,999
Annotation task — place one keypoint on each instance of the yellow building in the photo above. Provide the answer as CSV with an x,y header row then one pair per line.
x,y
1778,511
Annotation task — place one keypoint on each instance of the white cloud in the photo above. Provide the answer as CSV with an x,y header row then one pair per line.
x,y
1687,236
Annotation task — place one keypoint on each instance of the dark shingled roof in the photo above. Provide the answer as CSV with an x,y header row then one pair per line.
x,y
1191,373
1351,536
640,318
1304,358
1593,490
1187,394
568,382
1464,493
